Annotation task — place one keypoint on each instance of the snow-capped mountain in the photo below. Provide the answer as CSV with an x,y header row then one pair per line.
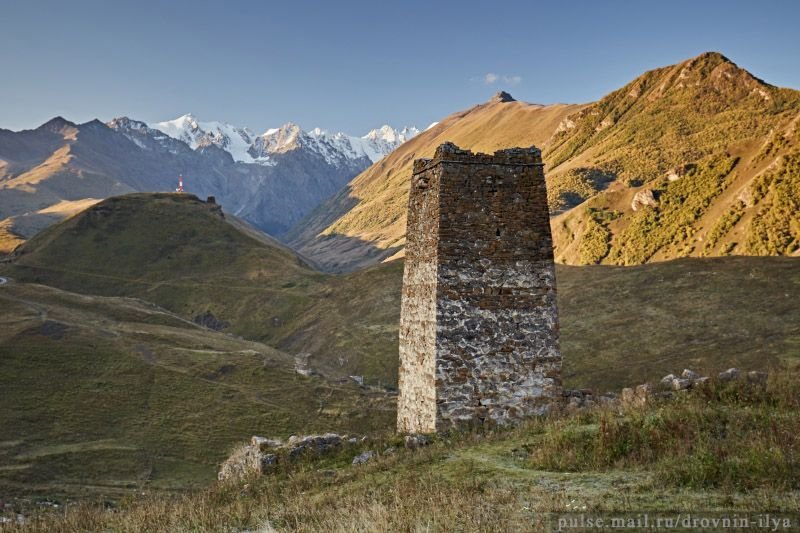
x,y
377,143
235,141
271,180
246,147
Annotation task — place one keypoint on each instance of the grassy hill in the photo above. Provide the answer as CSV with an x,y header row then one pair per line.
x,y
181,254
103,395
365,222
717,150
619,325
177,251
106,394
89,364
9,239
716,147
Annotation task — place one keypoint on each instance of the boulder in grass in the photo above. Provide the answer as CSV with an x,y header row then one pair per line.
x,y
681,383
413,442
689,374
757,378
364,458
729,375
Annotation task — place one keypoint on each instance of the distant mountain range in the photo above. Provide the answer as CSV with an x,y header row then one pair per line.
x,y
271,180
695,159
246,147
700,158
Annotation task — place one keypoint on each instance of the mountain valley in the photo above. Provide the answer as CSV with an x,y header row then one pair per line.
x,y
232,315
147,333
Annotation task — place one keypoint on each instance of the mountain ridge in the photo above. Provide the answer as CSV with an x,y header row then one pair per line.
x,y
247,147
61,162
662,122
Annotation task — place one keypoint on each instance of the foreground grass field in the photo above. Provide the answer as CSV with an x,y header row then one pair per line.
x,y
726,447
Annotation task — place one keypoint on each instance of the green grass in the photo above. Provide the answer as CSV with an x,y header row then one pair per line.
x,y
680,204
734,436
717,131
106,395
775,229
661,120
725,448
72,363
595,241
665,316
625,325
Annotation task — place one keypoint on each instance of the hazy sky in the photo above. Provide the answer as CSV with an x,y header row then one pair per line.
x,y
352,66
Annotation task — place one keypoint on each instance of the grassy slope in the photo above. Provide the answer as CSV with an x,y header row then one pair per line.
x,y
9,239
624,325
609,150
732,144
365,222
177,253
726,448
620,326
14,230
91,381
108,394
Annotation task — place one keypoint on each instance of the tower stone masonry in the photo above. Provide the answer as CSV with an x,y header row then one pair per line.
x,y
479,325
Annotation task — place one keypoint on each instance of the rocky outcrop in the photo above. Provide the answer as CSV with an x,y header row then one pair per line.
x,y
501,97
364,458
644,198
246,461
208,320
262,455
579,398
668,386
412,442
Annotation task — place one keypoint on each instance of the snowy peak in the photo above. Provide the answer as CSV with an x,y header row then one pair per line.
x,y
126,124
235,141
383,140
245,147
279,140
390,135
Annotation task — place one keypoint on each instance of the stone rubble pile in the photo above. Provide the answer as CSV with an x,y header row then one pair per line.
x,y
262,455
575,399
364,458
666,388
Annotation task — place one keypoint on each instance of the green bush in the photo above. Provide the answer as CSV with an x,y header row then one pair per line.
x,y
775,229
680,203
734,435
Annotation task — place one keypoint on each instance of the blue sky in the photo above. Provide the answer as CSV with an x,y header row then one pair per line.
x,y
352,66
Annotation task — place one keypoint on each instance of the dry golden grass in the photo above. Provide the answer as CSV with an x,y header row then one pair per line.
x,y
370,213
728,448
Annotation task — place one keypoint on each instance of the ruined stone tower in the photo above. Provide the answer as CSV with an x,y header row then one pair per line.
x,y
478,326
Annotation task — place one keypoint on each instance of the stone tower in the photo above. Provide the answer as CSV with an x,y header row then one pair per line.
x,y
479,325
